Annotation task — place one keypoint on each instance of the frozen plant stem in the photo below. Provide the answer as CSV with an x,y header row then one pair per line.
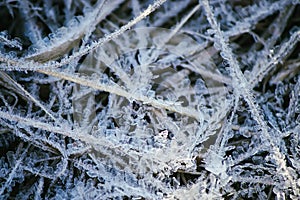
x,y
8,80
241,87
66,131
115,89
14,170
285,49
21,65
240,83
106,38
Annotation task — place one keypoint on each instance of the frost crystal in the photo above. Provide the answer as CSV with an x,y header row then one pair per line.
x,y
149,99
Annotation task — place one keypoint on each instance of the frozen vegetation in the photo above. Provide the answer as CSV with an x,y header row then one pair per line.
x,y
140,99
